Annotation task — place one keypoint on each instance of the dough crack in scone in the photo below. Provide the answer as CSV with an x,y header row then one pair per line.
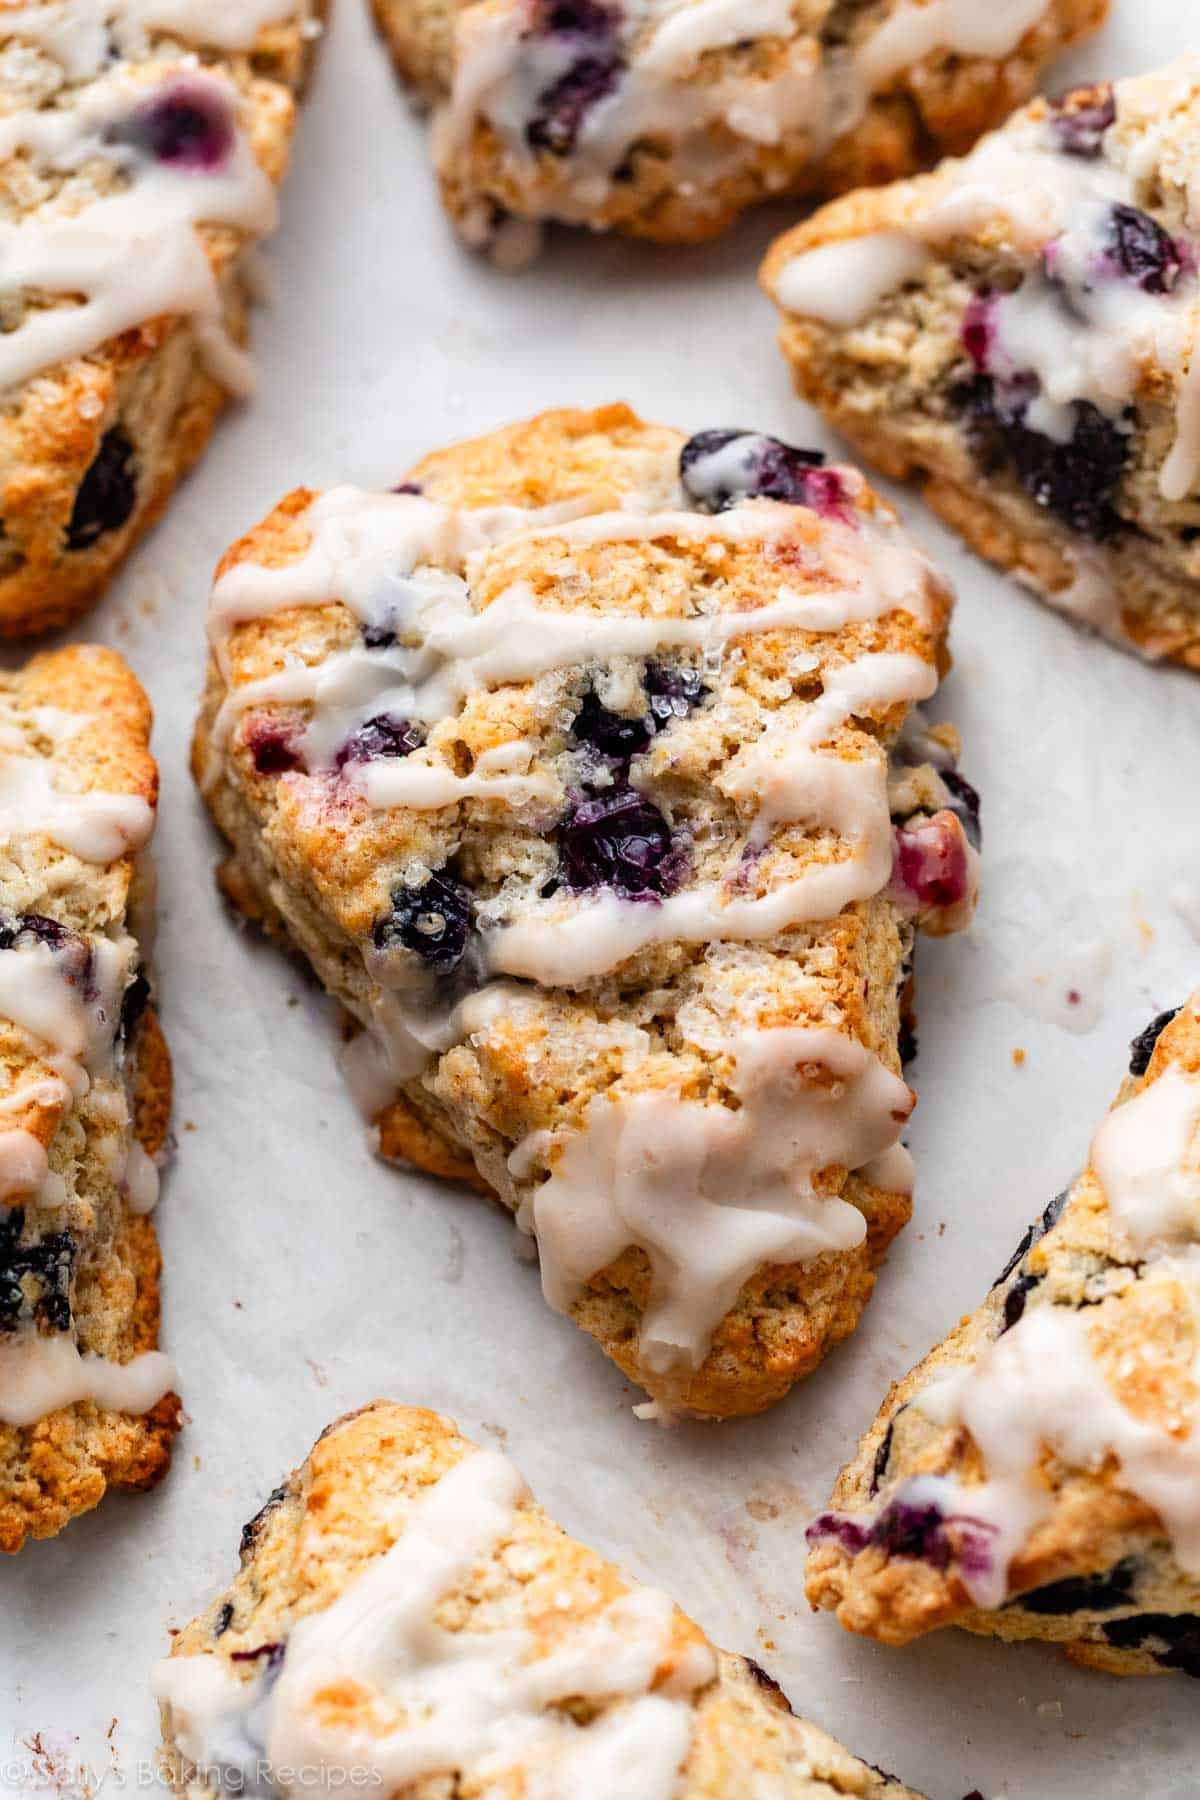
x,y
579,769
408,1620
1018,332
1038,1475
141,144
664,118
85,1105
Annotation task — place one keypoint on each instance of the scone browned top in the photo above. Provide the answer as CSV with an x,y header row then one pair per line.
x,y
85,1095
141,144
664,118
1038,1475
408,1619
567,764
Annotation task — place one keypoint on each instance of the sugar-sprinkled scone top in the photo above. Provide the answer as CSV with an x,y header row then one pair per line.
x,y
1038,1475
407,1619
141,144
1018,330
664,118
84,1392
567,766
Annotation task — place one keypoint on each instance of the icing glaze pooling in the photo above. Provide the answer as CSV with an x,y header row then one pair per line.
x,y
1147,1156
709,1193
77,33
133,253
484,1704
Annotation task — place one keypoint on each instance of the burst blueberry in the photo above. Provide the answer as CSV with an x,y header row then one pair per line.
x,y
433,920
719,468
1142,1047
1140,250
617,839
188,124
1079,128
386,735
563,107
273,745
107,494
1076,480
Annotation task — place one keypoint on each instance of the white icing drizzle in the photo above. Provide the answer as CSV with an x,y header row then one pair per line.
x,y
77,32
98,827
42,996
1040,1385
139,1183
132,254
1147,1156
710,1193
23,1164
41,1373
483,1704
712,123
1097,350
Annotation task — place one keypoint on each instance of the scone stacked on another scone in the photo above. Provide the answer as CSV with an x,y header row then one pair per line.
x,y
1018,331
572,766
1038,1475
141,144
85,1097
664,118
407,1619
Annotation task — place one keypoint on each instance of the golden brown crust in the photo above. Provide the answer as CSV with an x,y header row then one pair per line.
x,y
316,864
938,105
345,1507
889,385
62,1465
151,383
1145,1333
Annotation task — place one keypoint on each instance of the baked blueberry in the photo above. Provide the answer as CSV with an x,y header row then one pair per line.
x,y
1142,1047
273,745
1173,1639
134,1002
107,494
964,804
34,928
384,735
253,1527
433,920
1035,1232
1138,248
617,839
618,736
719,468
48,1263
1084,1593
187,124
1079,130
1075,480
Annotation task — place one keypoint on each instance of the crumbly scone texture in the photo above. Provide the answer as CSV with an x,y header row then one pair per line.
x,y
61,1466
1098,1575
935,106
900,384
349,1502
137,411
315,863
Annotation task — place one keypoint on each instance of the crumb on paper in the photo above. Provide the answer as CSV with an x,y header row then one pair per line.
x,y
1018,1057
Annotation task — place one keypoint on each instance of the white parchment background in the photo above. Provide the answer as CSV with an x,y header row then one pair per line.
x,y
303,1278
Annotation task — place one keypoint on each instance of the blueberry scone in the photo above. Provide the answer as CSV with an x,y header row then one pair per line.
x,y
581,768
1038,1475
141,145
1018,332
664,118
85,1398
407,1619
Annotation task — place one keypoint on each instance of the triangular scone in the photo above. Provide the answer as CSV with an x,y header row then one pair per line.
x,y
1018,333
1038,1475
567,766
665,118
85,1096
406,1612
141,145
